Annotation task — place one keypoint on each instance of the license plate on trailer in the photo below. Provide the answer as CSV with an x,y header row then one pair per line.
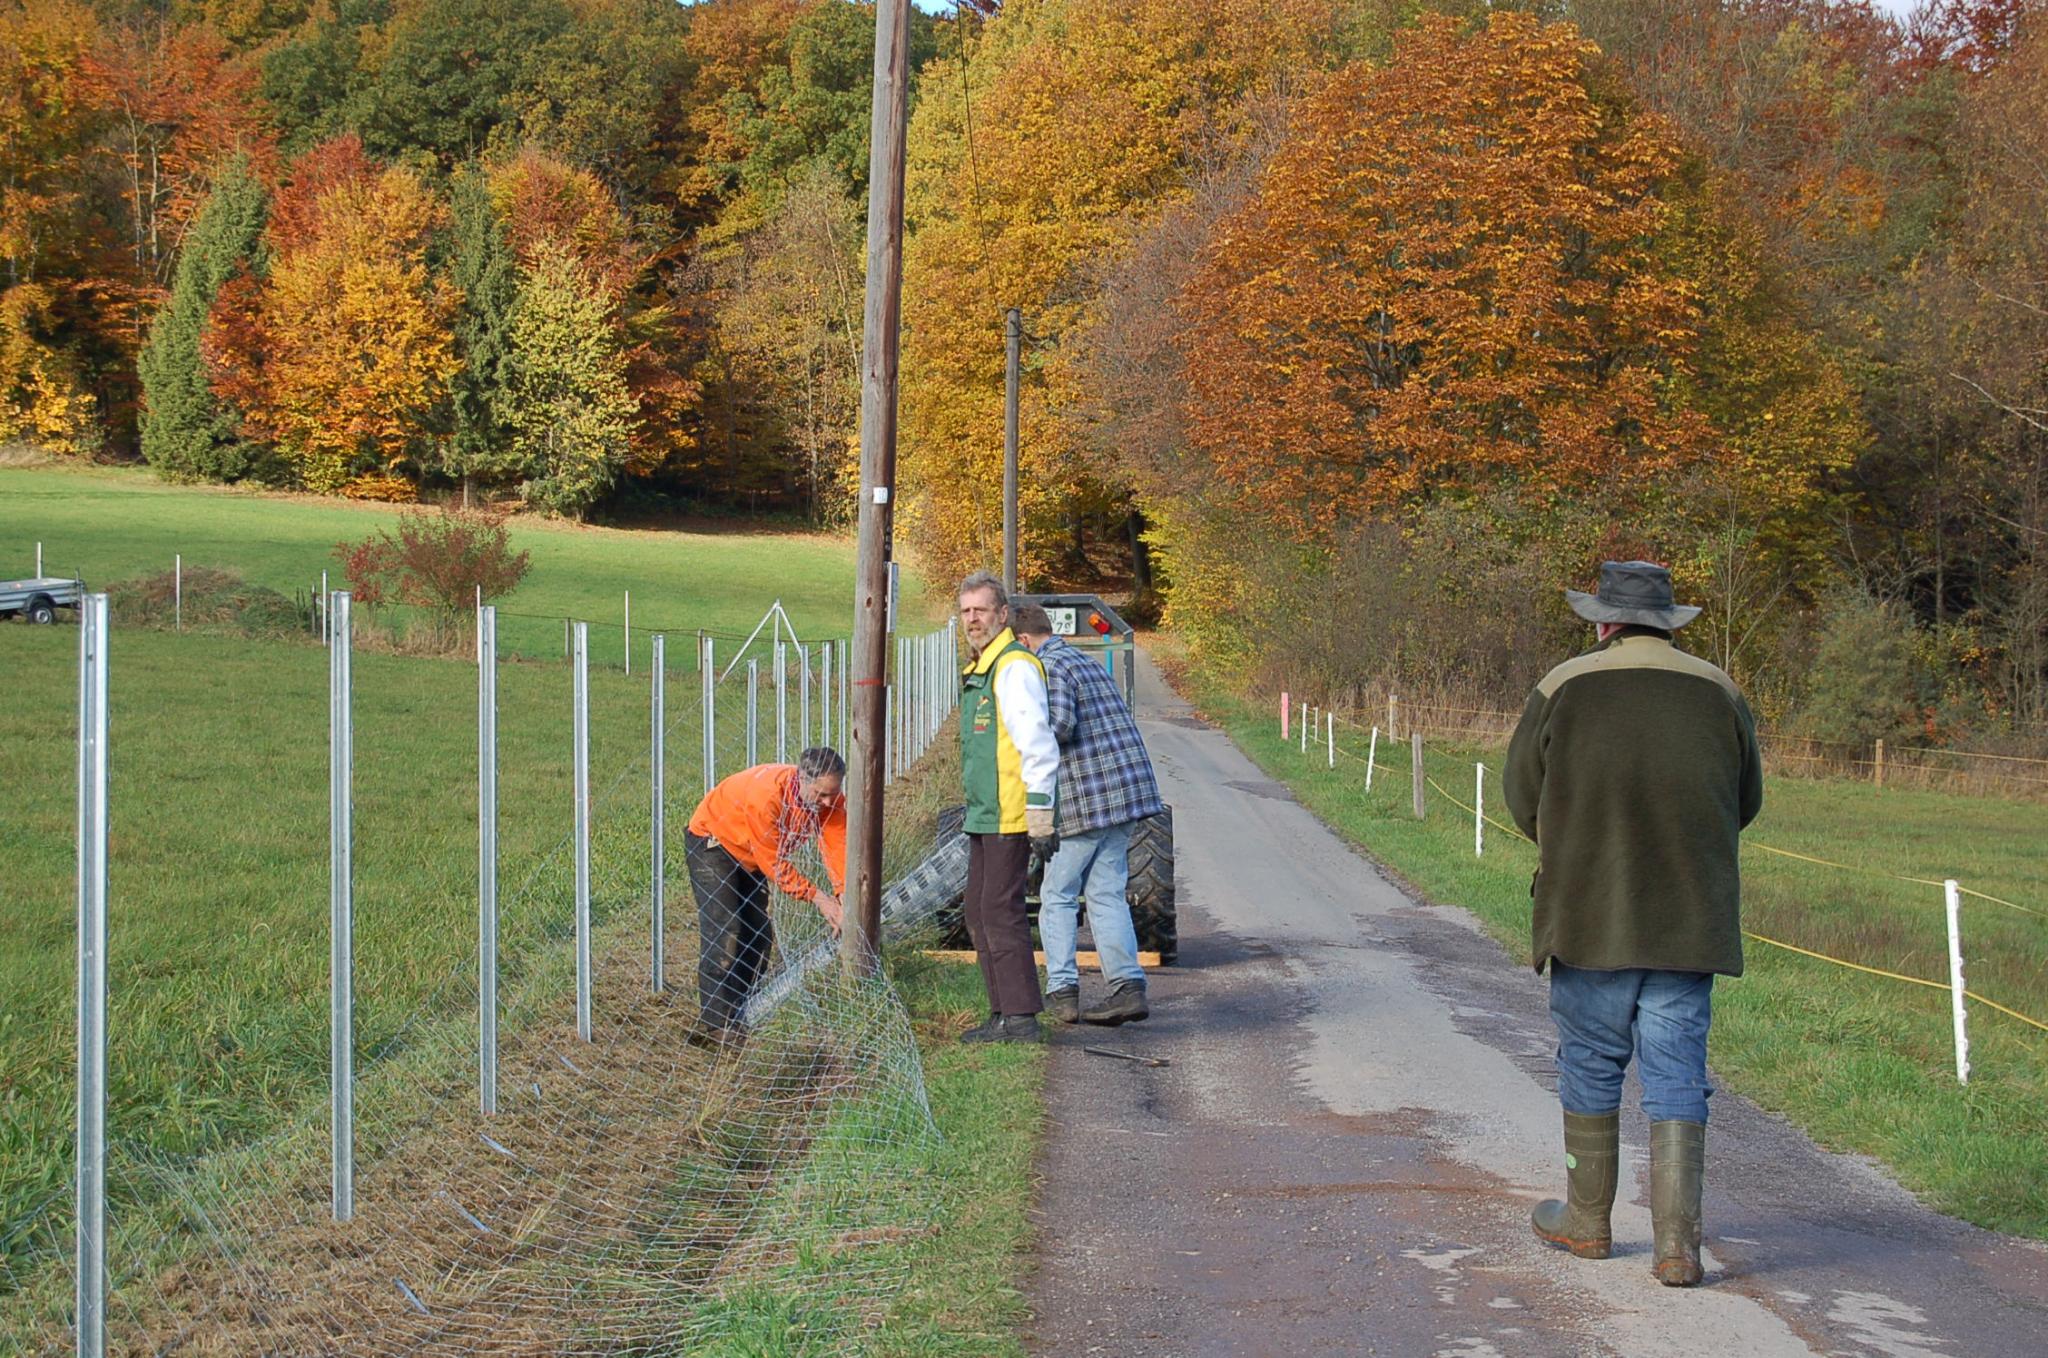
x,y
1064,623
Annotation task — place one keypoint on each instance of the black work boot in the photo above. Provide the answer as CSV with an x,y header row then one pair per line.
x,y
1063,1005
1018,1028
1678,1169
1592,1161
985,1030
1126,1004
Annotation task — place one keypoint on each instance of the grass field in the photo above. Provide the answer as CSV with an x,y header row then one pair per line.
x,y
110,524
1861,1062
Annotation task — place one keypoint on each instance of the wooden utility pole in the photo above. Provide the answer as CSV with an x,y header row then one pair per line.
x,y
861,929
1012,379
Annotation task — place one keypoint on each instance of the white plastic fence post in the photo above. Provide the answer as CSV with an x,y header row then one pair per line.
x,y
629,631
1308,717
657,828
487,857
178,591
1330,722
1478,810
1283,714
581,643
341,1000
326,611
1372,751
90,1183
1954,895
39,561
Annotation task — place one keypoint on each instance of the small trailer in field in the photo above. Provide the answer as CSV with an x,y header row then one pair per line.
x,y
39,599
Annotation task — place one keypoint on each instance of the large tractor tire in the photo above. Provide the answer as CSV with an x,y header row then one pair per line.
x,y
1151,886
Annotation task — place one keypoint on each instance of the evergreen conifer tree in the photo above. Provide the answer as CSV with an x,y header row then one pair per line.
x,y
482,267
187,434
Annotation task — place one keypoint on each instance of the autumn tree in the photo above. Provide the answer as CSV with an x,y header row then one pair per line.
x,y
569,411
186,434
1446,276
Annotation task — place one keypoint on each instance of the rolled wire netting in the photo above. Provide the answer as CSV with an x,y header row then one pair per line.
x,y
636,1193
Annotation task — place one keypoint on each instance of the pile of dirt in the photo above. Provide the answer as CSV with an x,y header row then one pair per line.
x,y
214,601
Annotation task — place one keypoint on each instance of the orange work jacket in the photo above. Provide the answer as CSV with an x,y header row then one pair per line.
x,y
756,817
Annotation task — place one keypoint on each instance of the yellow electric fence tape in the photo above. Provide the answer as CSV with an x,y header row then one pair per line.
x,y
1516,833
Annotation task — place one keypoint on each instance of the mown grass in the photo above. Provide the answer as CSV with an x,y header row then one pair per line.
x,y
1861,1062
111,524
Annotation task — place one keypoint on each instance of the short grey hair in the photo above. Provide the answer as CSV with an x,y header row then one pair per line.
x,y
819,761
983,580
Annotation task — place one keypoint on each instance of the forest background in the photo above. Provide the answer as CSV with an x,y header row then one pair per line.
x,y
1355,329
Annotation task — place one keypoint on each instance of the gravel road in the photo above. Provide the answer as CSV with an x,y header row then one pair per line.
x,y
1359,1114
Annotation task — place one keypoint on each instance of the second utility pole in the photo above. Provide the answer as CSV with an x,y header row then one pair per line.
x,y
861,928
1011,379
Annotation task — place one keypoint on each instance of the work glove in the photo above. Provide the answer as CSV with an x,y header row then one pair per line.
x,y
1038,824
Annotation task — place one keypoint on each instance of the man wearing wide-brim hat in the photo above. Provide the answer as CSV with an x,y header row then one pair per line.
x,y
1634,768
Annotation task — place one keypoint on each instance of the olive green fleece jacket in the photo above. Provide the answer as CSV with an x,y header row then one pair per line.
x,y
1635,768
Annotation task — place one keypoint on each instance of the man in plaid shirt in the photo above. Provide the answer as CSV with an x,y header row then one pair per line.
x,y
1106,785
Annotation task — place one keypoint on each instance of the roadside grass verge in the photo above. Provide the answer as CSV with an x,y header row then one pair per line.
x,y
1861,1062
112,524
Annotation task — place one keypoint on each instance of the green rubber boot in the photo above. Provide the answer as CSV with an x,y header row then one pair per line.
x,y
1592,1159
1678,1167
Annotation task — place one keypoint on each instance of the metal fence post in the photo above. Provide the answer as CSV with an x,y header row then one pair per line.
x,y
707,669
487,857
825,693
781,704
1953,899
753,712
91,1170
803,721
659,758
178,592
581,648
629,631
341,1017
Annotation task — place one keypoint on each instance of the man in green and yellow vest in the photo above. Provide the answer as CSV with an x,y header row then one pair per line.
x,y
1010,764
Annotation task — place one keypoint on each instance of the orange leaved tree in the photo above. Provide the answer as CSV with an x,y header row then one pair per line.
x,y
1449,274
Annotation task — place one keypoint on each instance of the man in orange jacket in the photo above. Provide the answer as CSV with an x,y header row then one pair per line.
x,y
741,837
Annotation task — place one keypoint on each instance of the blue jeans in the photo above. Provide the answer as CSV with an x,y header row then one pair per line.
x,y
1097,865
1659,1017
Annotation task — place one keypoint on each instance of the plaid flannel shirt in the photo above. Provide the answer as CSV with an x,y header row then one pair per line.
x,y
1105,775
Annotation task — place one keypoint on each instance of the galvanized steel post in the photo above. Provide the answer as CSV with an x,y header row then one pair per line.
x,y
753,712
580,644
487,857
707,668
825,693
781,704
659,758
341,1007
90,1183
803,686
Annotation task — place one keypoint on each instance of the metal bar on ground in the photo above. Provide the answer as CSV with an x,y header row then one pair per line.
x,y
658,756
581,646
90,1172
341,1008
487,856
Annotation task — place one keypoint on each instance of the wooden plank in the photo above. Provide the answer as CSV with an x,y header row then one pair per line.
x,y
1090,960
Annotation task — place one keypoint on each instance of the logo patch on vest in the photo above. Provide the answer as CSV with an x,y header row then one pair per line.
x,y
984,713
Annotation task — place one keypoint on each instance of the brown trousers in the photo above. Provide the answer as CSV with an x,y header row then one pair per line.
x,y
998,871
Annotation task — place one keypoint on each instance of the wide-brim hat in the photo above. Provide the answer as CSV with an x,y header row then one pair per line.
x,y
1633,592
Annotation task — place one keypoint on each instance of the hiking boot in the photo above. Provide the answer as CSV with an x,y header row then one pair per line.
x,y
985,1030
715,1037
1126,1004
1063,1006
1678,1168
1592,1160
